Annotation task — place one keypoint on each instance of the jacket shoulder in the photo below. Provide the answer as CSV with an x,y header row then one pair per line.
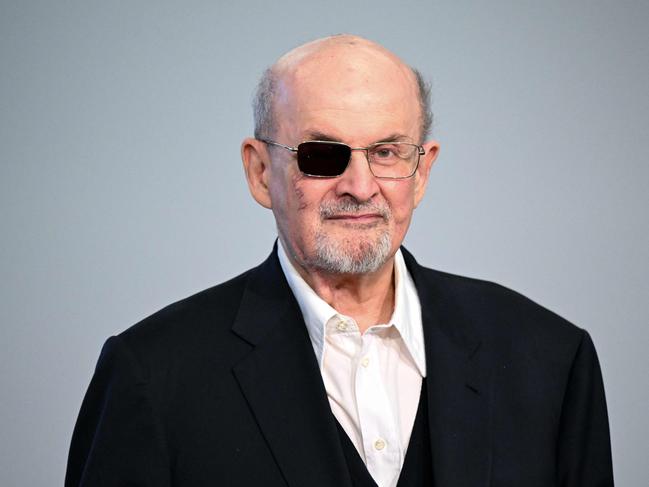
x,y
189,326
499,315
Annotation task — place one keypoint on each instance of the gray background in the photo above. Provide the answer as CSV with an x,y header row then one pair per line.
x,y
121,187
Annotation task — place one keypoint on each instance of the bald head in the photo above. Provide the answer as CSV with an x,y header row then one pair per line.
x,y
335,49
336,64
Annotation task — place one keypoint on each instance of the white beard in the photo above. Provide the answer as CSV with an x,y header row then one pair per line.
x,y
348,256
359,255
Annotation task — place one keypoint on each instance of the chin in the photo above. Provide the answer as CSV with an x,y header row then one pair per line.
x,y
355,255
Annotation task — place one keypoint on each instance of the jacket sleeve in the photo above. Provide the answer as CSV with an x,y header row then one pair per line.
x,y
584,447
117,440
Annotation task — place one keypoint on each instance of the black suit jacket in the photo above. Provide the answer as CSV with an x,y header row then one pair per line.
x,y
223,389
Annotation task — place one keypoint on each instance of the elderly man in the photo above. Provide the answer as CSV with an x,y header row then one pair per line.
x,y
340,361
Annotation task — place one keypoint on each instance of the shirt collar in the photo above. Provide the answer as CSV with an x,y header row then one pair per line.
x,y
406,316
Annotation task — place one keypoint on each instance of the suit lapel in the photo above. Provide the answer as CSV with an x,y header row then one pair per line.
x,y
458,387
283,385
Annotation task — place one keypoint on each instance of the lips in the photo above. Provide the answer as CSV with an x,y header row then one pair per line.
x,y
357,217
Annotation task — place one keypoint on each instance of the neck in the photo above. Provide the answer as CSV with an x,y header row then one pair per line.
x,y
368,298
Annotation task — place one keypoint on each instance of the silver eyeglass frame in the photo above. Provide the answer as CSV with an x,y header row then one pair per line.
x,y
420,152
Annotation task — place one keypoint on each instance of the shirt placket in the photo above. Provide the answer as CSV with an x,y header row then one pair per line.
x,y
380,442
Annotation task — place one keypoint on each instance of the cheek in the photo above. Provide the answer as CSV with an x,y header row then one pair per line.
x,y
308,194
296,206
400,197
286,194
301,202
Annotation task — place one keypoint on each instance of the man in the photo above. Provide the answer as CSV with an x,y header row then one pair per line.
x,y
340,361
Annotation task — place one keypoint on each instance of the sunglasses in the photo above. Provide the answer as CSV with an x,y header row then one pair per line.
x,y
325,159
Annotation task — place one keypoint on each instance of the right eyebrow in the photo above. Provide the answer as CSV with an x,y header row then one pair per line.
x,y
316,135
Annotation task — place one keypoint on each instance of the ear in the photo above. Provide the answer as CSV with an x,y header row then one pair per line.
x,y
256,164
431,149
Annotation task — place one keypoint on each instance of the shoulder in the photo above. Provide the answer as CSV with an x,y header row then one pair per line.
x,y
220,300
496,300
188,330
499,316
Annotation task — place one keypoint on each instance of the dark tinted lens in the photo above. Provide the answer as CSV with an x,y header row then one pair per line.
x,y
322,158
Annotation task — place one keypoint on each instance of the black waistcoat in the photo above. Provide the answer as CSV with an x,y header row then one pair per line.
x,y
417,466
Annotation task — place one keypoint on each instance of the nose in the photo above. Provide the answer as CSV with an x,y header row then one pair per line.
x,y
357,180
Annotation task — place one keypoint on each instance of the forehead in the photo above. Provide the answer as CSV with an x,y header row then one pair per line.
x,y
357,90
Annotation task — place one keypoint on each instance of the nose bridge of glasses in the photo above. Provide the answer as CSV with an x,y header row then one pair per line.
x,y
365,150
365,155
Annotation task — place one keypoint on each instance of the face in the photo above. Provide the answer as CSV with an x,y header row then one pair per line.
x,y
353,223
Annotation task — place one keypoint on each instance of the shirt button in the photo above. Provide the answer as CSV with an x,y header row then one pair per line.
x,y
342,326
379,444
365,362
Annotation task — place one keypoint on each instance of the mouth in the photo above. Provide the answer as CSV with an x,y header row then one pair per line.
x,y
362,221
356,217
351,213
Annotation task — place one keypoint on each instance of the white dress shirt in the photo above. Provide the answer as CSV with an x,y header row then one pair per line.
x,y
373,380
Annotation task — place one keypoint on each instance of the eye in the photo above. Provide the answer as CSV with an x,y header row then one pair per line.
x,y
385,152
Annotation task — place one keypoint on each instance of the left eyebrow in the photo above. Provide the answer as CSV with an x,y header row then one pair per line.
x,y
395,137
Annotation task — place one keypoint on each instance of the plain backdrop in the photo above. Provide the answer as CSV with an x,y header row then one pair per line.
x,y
121,186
